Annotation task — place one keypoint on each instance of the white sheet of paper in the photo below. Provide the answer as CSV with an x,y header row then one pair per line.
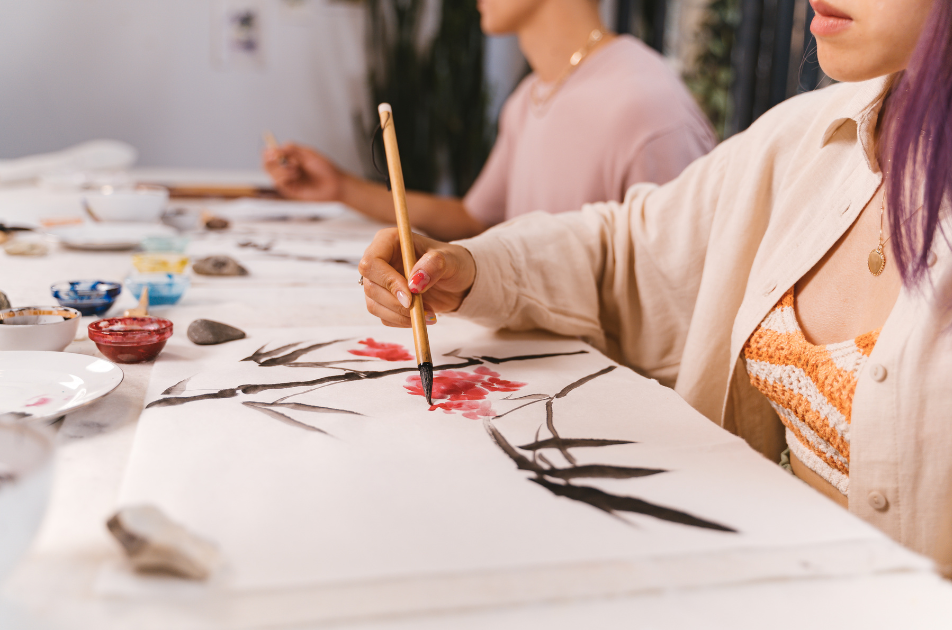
x,y
404,492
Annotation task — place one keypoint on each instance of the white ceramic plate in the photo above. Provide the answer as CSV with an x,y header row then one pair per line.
x,y
47,385
109,236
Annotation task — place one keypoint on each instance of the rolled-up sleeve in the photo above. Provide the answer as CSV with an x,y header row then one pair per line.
x,y
622,276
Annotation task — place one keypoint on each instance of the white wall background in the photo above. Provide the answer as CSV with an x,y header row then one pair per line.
x,y
145,72
142,71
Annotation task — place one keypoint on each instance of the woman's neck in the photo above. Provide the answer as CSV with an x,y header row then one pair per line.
x,y
554,32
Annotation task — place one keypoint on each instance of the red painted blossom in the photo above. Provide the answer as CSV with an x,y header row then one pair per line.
x,y
382,350
39,401
465,391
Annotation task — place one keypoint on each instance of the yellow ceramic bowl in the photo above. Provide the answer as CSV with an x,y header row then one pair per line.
x,y
160,263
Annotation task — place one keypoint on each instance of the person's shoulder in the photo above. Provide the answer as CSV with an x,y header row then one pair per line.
x,y
628,65
639,94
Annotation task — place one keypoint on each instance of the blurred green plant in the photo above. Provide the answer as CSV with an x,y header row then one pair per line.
x,y
436,89
709,78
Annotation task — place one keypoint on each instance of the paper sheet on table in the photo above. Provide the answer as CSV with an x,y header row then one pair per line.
x,y
249,209
317,466
285,256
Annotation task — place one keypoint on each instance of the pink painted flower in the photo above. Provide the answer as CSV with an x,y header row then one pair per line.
x,y
465,391
382,350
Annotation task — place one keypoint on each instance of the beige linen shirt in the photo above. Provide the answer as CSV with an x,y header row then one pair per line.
x,y
673,281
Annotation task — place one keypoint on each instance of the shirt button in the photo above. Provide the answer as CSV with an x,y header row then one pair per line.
x,y
878,373
931,259
877,501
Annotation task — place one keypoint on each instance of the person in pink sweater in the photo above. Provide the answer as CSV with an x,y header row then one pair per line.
x,y
599,113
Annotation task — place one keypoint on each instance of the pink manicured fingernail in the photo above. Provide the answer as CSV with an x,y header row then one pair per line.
x,y
404,299
430,318
419,281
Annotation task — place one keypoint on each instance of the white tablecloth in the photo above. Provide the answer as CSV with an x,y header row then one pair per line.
x,y
54,586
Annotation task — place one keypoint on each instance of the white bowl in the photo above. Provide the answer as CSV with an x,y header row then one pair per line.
x,y
117,236
26,474
38,328
143,203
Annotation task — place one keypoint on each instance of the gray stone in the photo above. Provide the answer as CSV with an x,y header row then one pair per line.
x,y
153,542
4,300
219,266
206,332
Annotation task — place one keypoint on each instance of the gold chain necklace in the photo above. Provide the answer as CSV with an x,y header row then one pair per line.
x,y
539,102
876,261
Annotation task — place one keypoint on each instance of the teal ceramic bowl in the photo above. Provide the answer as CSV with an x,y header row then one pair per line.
x,y
164,288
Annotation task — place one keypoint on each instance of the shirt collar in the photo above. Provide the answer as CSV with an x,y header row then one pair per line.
x,y
863,110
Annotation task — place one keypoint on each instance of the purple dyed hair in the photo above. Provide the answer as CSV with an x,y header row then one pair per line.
x,y
916,152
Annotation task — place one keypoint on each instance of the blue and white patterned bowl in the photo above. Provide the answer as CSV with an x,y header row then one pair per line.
x,y
89,297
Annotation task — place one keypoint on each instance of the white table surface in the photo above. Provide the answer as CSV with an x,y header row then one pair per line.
x,y
53,587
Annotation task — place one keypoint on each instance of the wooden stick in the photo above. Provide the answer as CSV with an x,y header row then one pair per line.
x,y
269,139
420,338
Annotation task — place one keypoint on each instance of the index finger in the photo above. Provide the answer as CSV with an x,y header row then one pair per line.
x,y
382,264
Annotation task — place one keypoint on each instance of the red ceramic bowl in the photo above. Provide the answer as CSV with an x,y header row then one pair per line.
x,y
130,339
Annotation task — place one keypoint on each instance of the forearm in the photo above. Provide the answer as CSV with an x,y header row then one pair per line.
x,y
443,218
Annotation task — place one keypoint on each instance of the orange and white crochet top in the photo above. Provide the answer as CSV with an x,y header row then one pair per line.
x,y
810,387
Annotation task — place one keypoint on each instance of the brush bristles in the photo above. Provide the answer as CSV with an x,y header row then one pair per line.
x,y
426,378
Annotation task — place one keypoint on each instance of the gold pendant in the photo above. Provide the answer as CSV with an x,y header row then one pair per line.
x,y
876,261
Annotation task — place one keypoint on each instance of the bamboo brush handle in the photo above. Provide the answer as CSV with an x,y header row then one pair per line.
x,y
420,337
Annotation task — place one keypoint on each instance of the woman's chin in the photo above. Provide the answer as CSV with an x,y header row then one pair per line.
x,y
851,67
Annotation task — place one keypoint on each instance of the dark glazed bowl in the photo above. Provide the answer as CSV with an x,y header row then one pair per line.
x,y
130,339
89,297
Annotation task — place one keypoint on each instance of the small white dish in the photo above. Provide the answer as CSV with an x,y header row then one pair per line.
x,y
109,236
140,204
46,385
26,475
38,327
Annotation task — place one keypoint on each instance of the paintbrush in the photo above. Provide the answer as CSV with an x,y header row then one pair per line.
x,y
143,309
420,338
272,143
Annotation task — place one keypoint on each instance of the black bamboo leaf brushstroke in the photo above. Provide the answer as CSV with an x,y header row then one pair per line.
x,y
277,415
296,354
549,410
266,249
613,503
522,462
302,407
347,377
607,502
559,443
521,407
550,425
251,244
585,379
258,354
181,400
325,364
602,471
526,357
178,388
